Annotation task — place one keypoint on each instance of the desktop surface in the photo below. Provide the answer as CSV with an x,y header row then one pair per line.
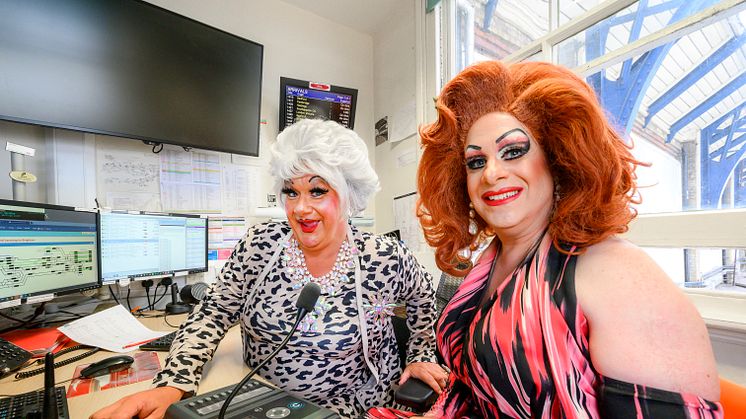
x,y
226,368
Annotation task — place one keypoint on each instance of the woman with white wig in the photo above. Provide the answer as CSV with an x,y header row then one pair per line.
x,y
344,356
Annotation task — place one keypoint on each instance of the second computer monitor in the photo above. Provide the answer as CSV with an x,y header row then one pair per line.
x,y
139,245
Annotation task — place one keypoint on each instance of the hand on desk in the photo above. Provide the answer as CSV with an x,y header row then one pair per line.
x,y
149,404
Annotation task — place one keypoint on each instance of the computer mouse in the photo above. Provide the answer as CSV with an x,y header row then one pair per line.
x,y
106,366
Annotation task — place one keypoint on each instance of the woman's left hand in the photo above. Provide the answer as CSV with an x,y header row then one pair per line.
x,y
429,372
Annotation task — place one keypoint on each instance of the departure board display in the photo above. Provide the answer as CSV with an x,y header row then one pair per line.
x,y
308,100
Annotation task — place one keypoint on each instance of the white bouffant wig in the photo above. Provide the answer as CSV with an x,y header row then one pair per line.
x,y
329,150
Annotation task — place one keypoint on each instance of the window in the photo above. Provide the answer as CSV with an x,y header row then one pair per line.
x,y
491,29
672,73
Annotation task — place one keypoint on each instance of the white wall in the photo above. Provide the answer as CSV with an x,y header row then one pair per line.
x,y
396,95
297,44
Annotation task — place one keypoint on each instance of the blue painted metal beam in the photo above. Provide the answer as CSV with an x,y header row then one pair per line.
x,y
622,97
717,165
703,107
694,75
634,34
650,11
489,11
717,174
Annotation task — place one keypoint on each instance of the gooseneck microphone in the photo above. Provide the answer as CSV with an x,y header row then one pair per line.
x,y
306,302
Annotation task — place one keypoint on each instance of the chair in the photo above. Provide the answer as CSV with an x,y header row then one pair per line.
x,y
447,287
414,393
733,399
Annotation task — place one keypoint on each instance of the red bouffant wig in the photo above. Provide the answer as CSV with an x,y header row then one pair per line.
x,y
590,163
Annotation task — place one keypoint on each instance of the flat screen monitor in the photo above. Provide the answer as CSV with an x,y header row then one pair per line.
x,y
46,249
129,69
141,245
301,99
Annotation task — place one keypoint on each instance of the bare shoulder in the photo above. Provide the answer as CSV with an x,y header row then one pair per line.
x,y
643,329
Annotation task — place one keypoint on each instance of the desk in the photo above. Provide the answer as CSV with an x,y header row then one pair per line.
x,y
226,368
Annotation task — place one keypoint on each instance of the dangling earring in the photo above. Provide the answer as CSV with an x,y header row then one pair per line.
x,y
472,222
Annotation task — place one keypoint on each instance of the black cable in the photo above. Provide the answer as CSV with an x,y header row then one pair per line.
x,y
78,315
23,323
165,291
129,306
159,146
111,292
147,297
27,374
37,311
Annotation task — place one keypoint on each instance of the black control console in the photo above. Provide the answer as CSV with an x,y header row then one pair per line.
x,y
254,401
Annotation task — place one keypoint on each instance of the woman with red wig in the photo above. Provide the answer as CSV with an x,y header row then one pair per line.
x,y
557,317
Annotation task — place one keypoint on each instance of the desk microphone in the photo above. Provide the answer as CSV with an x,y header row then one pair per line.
x,y
306,302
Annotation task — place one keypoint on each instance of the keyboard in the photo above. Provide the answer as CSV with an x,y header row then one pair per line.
x,y
29,405
12,357
163,343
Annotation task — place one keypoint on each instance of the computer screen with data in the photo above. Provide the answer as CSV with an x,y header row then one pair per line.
x,y
139,245
46,249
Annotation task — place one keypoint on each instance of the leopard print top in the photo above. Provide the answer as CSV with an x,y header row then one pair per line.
x,y
349,365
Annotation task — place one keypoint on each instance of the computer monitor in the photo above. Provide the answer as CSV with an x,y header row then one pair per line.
x,y
137,246
301,99
46,249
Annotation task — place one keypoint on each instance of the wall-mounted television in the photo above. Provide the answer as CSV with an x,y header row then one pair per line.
x,y
300,99
129,69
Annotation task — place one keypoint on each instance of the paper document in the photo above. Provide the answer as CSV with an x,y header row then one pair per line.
x,y
113,329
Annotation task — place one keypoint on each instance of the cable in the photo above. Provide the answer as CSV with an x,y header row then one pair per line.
x,y
78,315
37,311
159,146
128,300
27,374
165,291
111,292
165,319
23,323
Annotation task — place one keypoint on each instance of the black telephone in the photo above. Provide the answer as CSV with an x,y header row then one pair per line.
x,y
49,403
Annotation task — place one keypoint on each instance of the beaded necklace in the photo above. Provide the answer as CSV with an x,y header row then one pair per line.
x,y
297,271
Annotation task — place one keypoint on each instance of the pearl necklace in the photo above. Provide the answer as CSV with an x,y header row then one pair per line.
x,y
297,271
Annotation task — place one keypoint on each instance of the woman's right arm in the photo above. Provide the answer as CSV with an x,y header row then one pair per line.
x,y
195,342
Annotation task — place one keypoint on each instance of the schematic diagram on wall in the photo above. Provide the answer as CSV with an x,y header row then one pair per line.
x,y
43,264
127,176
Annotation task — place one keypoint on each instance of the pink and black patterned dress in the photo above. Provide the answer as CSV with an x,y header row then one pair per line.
x,y
524,352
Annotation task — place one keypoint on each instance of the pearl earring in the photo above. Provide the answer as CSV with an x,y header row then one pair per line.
x,y
472,222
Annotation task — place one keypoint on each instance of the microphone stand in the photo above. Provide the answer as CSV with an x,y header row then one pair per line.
x,y
301,313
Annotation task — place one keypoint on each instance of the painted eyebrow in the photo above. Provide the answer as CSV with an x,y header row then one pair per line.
x,y
475,147
314,177
505,134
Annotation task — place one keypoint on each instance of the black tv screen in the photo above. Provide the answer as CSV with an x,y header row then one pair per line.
x,y
129,69
300,99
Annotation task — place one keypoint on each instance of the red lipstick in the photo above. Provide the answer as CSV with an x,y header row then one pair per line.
x,y
501,197
308,226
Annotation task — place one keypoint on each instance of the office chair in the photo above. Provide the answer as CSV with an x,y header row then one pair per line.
x,y
733,399
447,287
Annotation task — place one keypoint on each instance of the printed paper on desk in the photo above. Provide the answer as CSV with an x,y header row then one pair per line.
x,y
113,329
